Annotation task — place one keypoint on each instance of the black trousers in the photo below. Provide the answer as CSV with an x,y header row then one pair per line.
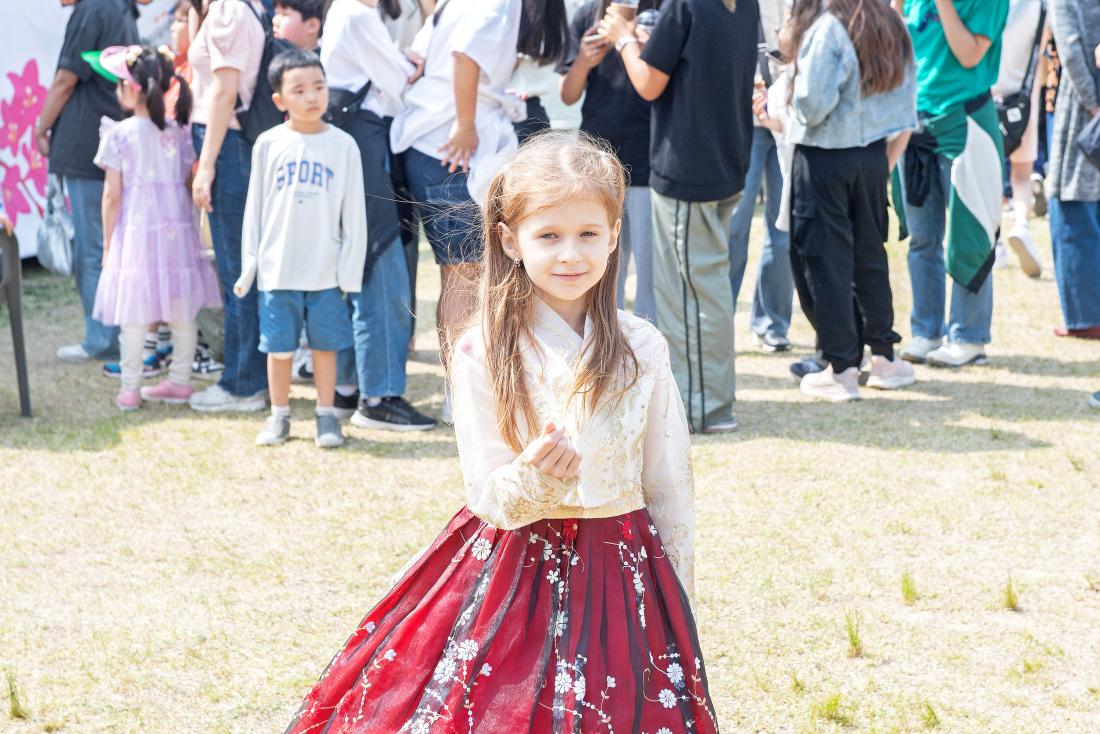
x,y
838,227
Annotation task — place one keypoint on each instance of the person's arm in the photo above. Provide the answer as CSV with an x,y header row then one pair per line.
x,y
62,88
112,201
667,480
253,225
353,226
462,142
1069,37
823,68
589,56
649,82
968,48
895,147
223,100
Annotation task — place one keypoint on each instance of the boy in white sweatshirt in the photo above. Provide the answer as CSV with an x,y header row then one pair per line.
x,y
304,240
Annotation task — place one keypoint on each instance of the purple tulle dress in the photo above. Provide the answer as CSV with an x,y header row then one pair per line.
x,y
155,270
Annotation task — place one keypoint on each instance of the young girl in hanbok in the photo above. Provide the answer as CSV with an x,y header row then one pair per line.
x,y
557,600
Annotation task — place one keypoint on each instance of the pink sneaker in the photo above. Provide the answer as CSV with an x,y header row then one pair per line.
x,y
128,400
890,374
167,392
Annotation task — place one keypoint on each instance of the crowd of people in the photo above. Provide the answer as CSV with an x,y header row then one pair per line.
x,y
977,108
319,136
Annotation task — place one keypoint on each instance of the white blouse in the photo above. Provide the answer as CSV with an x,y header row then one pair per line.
x,y
635,452
356,47
487,31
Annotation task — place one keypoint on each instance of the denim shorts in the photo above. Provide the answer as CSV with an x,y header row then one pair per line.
x,y
323,313
442,201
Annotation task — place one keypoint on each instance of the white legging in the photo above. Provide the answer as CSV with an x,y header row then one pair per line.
x,y
131,344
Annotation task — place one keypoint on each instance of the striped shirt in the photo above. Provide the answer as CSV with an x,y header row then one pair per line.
x,y
230,38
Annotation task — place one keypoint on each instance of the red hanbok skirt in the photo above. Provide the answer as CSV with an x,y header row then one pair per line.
x,y
561,626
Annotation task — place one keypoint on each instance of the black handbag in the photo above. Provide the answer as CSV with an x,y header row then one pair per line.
x,y
1014,110
343,104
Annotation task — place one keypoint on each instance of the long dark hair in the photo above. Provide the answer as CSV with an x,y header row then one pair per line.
x,y
881,40
153,73
391,8
543,30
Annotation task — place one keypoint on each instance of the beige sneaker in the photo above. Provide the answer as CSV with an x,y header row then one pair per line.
x,y
917,350
889,374
826,385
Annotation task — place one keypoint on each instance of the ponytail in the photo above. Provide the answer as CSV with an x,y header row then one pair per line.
x,y
183,100
154,100
152,72
391,8
543,30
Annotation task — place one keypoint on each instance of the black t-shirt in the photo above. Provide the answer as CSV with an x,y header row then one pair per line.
x,y
612,109
93,26
702,123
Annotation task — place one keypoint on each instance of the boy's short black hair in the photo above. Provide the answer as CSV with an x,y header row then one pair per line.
x,y
306,8
292,58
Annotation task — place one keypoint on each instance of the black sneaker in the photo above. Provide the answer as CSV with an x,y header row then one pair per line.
x,y
392,414
204,362
806,366
345,405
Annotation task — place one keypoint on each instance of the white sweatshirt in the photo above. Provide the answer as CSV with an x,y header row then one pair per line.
x,y
305,221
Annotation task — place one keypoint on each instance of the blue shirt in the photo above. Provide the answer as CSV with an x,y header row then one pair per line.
x,y
828,109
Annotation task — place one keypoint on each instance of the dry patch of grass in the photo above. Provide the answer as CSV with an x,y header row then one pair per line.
x,y
162,574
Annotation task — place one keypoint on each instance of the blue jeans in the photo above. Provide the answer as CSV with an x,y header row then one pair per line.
x,y
382,329
771,300
245,367
971,313
86,199
1075,236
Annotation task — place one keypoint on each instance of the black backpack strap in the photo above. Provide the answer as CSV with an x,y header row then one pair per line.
x,y
1033,61
269,33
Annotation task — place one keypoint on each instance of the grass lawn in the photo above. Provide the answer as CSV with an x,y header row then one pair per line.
x,y
856,563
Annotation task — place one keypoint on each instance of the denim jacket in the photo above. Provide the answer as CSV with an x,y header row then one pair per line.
x,y
828,109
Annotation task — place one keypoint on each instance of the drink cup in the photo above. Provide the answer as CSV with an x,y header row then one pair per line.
x,y
625,9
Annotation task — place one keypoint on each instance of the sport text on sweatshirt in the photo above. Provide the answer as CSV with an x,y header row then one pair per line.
x,y
305,220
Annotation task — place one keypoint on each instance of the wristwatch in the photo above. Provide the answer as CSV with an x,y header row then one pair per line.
x,y
624,42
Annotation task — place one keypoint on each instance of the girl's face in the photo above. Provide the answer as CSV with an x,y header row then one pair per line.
x,y
564,248
128,96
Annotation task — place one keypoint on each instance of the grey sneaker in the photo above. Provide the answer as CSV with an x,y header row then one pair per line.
x,y
217,399
329,435
276,431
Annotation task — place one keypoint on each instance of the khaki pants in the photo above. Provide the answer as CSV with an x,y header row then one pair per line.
x,y
694,304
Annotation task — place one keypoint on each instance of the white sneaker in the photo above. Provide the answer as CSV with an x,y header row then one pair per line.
x,y
1019,239
890,374
917,350
217,399
73,353
957,354
1000,256
829,386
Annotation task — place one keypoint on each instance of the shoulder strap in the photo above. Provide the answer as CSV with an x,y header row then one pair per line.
x,y
1032,62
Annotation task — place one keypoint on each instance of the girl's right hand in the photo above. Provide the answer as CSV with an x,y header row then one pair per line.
x,y
460,146
553,454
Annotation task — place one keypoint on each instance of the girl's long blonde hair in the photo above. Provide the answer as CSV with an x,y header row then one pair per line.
x,y
551,168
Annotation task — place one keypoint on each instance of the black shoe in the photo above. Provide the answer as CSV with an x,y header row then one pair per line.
x,y
392,414
805,366
344,406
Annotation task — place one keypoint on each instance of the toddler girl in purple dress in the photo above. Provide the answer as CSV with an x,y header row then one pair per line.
x,y
153,269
